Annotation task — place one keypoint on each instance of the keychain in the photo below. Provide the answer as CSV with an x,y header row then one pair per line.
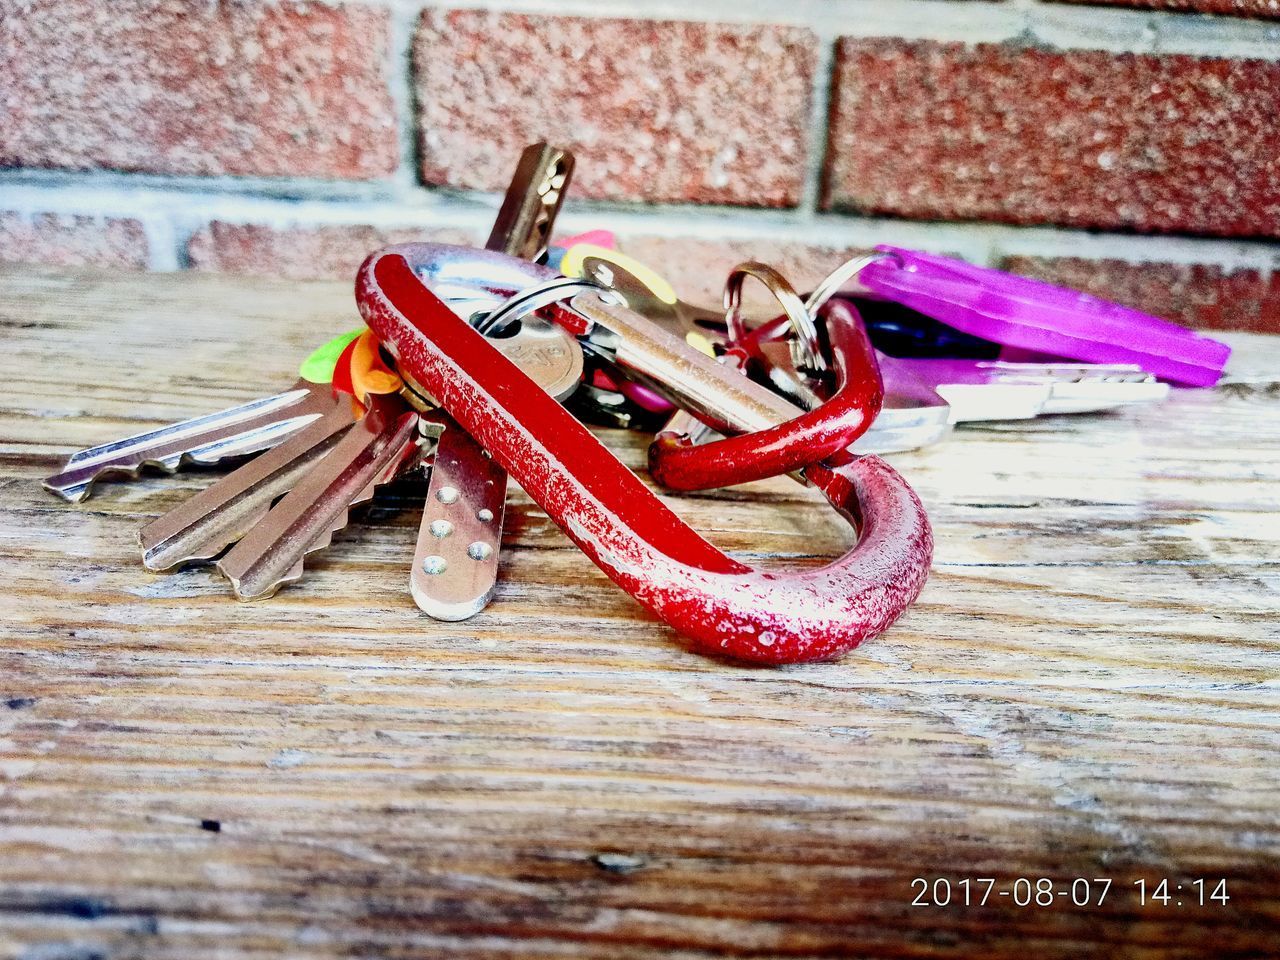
x,y
470,353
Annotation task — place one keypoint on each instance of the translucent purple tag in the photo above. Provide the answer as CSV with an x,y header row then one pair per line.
x,y
1041,318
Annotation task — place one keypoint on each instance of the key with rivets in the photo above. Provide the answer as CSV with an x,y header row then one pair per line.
x,y
455,565
455,562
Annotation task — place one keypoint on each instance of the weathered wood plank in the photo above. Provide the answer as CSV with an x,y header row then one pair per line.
x,y
1087,688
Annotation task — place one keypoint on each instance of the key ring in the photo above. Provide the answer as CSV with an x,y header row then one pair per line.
x,y
830,285
807,342
534,298
822,434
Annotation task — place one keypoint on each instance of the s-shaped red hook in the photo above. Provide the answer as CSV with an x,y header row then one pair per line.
x,y
722,605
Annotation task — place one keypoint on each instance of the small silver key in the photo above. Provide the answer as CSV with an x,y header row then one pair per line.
x,y
532,202
455,562
203,526
372,452
448,582
237,431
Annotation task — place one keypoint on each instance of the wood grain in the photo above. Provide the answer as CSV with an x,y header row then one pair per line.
x,y
1088,687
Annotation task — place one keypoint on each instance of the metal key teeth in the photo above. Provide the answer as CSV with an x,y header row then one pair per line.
x,y
272,554
210,534
237,431
77,490
203,526
255,584
206,456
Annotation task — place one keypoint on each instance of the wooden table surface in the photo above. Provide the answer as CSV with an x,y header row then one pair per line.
x,y
1088,688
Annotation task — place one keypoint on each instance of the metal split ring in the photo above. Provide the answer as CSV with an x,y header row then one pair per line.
x,y
535,298
809,349
837,278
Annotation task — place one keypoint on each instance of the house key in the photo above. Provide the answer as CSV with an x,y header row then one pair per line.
x,y
455,563
243,429
371,452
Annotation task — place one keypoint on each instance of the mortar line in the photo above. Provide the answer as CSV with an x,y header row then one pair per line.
x,y
164,251
403,95
1060,25
818,140
979,241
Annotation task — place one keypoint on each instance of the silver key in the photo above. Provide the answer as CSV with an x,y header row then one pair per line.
x,y
450,582
237,431
455,563
532,202
203,526
371,453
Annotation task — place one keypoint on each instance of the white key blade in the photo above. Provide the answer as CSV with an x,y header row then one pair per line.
x,y
1095,396
994,401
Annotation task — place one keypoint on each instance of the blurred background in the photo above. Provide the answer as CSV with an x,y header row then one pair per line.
x,y
1129,148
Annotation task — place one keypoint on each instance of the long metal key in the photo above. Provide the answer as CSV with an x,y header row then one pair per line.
x,y
237,431
372,452
203,526
455,563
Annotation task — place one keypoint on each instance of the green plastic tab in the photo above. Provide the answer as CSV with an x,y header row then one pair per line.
x,y
318,368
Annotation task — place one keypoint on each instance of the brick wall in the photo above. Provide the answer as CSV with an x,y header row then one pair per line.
x,y
1131,148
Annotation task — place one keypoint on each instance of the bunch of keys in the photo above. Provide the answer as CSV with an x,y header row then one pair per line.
x,y
434,391
326,451
467,356
956,343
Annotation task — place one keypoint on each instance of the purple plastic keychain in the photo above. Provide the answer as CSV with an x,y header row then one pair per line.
x,y
1042,318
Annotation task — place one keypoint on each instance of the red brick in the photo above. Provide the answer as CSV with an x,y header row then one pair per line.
x,y
1207,297
192,87
1086,138
697,267
1237,8
72,241
328,252
654,110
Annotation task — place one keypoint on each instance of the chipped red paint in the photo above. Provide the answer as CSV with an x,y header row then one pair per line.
x,y
811,437
723,606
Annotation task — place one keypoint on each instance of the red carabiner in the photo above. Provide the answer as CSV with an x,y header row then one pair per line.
x,y
722,605
810,438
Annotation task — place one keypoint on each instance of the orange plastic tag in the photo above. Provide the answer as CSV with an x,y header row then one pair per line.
x,y
369,373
